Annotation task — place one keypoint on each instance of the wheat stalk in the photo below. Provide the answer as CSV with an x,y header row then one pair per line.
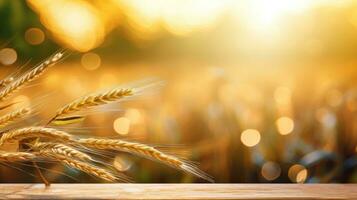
x,y
29,76
15,156
82,166
94,100
11,117
6,81
32,132
132,147
61,149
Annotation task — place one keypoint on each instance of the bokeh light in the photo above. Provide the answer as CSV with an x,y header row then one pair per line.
x,y
297,173
8,56
301,176
250,137
271,170
122,125
122,163
134,115
91,61
34,36
285,125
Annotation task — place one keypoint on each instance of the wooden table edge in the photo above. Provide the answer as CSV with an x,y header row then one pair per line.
x,y
179,191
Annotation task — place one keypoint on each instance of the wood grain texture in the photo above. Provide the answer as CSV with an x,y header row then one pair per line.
x,y
178,191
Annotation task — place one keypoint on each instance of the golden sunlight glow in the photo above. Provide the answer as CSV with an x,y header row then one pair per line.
x,y
8,56
178,17
250,137
122,125
82,25
186,17
285,125
265,15
74,23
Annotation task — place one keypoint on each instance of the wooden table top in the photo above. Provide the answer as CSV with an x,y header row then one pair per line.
x,y
179,191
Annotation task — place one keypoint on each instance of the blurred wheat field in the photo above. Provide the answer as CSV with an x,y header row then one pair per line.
x,y
254,92
209,115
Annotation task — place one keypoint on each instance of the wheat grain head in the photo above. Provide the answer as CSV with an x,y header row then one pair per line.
x,y
144,151
11,117
131,147
34,132
6,81
60,149
82,166
29,76
94,100
15,156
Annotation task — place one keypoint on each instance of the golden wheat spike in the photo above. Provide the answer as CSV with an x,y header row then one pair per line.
x,y
94,100
61,149
145,151
29,76
13,116
34,132
15,156
82,166
6,81
132,147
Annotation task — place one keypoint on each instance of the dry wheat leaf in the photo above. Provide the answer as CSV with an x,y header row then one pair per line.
x,y
68,120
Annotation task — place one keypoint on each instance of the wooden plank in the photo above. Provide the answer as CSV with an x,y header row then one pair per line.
x,y
179,191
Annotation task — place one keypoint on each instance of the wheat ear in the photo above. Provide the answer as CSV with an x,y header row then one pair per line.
x,y
32,132
6,81
15,156
11,117
132,147
94,100
61,149
82,166
145,151
29,76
